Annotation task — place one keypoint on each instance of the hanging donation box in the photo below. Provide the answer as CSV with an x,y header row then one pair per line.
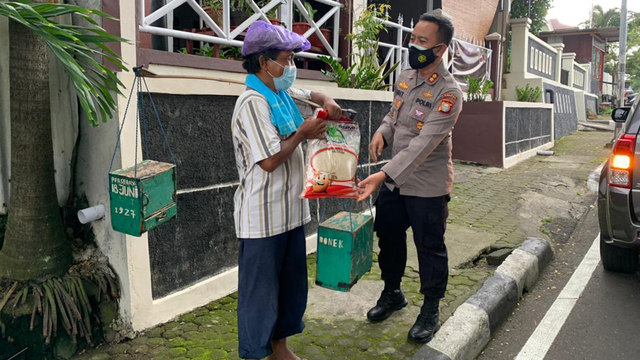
x,y
142,196
345,250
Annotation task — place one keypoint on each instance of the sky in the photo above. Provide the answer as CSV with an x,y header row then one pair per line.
x,y
573,12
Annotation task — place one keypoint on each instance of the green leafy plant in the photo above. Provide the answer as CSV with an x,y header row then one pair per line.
x,y
231,52
364,73
528,94
477,89
65,300
309,8
271,14
206,50
606,110
92,81
212,3
239,5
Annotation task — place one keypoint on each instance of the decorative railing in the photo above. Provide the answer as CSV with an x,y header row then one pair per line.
x,y
579,77
541,59
395,52
224,34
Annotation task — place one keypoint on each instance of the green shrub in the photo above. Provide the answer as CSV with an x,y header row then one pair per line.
x,y
528,94
477,89
606,110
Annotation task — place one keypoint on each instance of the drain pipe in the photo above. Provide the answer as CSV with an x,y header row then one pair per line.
x,y
91,214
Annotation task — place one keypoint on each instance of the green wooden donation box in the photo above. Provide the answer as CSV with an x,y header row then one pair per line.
x,y
345,250
144,198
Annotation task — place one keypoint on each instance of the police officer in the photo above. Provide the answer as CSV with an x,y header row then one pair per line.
x,y
418,179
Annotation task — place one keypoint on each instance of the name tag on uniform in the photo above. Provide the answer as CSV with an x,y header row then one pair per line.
x,y
424,102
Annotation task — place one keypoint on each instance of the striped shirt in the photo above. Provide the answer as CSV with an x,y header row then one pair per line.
x,y
265,204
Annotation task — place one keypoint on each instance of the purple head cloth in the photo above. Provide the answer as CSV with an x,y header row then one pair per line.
x,y
262,36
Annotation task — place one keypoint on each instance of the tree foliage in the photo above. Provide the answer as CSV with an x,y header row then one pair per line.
x,y
93,81
539,9
611,19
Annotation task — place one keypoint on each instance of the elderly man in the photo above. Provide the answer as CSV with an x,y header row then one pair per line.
x,y
269,215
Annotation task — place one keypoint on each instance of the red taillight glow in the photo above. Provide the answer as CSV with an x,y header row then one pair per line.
x,y
622,161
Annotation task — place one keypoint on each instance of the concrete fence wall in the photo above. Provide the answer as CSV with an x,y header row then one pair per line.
x,y
538,64
201,242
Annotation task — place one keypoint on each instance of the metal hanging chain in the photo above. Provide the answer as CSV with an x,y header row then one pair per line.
x,y
137,84
155,111
124,119
143,115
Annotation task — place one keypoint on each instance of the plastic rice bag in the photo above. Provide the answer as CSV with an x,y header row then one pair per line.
x,y
331,163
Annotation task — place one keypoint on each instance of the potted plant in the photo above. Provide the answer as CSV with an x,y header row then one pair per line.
x,y
477,89
213,8
231,53
239,12
271,15
302,27
364,72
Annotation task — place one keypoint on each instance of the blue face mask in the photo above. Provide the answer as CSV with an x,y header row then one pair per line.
x,y
285,81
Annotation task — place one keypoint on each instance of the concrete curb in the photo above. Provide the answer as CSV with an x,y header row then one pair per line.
x,y
473,324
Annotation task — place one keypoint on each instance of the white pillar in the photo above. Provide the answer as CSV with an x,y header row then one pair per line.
x,y
520,45
559,48
587,77
567,64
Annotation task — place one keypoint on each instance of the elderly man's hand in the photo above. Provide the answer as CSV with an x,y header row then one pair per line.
x,y
367,186
334,110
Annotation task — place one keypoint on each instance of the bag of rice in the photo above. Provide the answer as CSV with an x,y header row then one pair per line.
x,y
332,163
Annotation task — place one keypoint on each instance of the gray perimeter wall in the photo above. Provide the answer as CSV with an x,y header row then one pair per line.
x,y
590,103
564,108
201,242
526,129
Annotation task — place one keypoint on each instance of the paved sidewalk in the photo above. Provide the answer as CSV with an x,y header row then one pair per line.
x,y
490,209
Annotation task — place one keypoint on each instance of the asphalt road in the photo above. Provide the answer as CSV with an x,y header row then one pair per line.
x,y
601,322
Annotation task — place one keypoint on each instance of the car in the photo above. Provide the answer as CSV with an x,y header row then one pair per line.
x,y
619,196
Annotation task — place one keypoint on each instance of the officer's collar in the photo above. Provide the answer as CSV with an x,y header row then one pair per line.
x,y
431,79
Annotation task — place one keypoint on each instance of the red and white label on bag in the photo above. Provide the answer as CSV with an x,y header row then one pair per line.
x,y
331,163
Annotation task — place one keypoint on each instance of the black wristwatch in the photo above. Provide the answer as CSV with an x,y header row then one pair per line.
x,y
388,178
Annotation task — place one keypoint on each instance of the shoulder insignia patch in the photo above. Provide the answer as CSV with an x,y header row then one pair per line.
x,y
403,85
446,105
434,77
450,96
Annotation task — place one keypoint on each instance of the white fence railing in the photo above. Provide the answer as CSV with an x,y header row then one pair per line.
x,y
396,52
226,36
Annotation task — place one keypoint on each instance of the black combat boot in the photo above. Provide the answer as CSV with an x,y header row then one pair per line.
x,y
428,322
390,301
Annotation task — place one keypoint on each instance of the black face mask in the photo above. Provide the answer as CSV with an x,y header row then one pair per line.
x,y
421,58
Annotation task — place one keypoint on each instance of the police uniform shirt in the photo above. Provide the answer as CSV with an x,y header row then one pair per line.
x,y
418,127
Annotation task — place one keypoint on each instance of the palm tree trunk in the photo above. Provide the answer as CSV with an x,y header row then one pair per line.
x,y
35,244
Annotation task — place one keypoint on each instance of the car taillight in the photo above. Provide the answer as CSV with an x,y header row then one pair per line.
x,y
622,161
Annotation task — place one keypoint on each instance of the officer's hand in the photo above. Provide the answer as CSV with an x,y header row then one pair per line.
x,y
367,186
313,128
376,146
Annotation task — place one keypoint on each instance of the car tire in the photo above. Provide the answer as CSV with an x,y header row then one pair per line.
x,y
618,259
